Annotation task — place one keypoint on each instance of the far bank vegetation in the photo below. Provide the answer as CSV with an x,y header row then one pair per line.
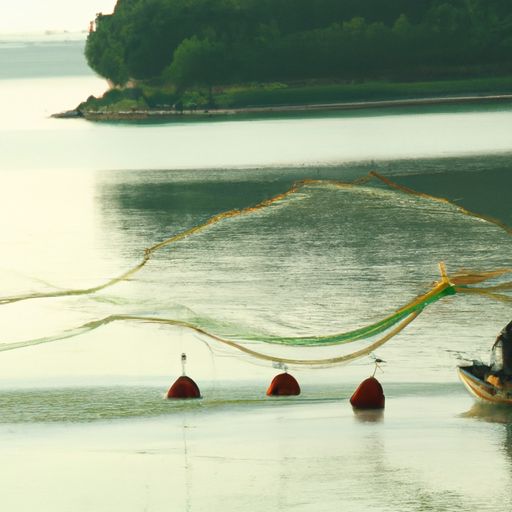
x,y
237,53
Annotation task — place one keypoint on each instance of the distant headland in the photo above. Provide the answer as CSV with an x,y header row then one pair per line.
x,y
169,58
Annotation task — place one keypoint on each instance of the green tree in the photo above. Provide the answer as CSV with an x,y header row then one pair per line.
x,y
201,62
104,51
214,42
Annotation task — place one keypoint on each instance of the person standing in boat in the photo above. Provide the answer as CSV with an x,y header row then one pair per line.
x,y
501,354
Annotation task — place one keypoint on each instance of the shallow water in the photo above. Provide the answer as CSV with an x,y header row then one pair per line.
x,y
83,422
420,454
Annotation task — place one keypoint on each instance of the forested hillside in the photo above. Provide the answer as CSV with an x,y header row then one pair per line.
x,y
237,53
235,41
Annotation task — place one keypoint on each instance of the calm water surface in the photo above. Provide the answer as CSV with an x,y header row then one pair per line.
x,y
83,425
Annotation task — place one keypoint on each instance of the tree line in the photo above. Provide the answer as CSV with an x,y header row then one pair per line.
x,y
217,42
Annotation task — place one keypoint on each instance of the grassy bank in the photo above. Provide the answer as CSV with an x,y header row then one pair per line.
x,y
281,94
149,100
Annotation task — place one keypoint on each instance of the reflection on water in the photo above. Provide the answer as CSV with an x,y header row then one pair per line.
x,y
287,454
480,184
502,416
369,416
507,445
490,413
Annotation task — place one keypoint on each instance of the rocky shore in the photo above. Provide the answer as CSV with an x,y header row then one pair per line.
x,y
172,113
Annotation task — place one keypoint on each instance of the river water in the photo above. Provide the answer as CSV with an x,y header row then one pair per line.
x,y
83,425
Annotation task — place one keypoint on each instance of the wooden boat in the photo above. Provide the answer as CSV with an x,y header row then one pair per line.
x,y
485,386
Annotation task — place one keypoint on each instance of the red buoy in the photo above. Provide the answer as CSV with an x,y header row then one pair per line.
x,y
368,395
283,384
184,387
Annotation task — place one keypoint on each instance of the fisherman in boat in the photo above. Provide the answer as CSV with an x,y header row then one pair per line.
x,y
501,359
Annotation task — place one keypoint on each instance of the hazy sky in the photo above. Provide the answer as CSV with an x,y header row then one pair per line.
x,y
41,15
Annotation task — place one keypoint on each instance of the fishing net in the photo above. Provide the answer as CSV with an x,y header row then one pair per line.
x,y
236,245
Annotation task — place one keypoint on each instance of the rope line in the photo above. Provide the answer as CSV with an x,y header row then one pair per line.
x,y
404,315
461,282
90,326
295,188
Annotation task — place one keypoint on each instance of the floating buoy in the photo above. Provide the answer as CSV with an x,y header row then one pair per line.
x,y
183,387
368,395
283,384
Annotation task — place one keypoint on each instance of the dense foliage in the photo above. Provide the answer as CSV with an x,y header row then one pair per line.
x,y
216,42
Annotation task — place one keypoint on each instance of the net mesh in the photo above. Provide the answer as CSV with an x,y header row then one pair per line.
x,y
461,282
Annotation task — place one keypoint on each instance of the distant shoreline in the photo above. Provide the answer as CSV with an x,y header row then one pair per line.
x,y
173,114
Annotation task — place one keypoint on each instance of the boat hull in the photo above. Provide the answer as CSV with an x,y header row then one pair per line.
x,y
482,390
